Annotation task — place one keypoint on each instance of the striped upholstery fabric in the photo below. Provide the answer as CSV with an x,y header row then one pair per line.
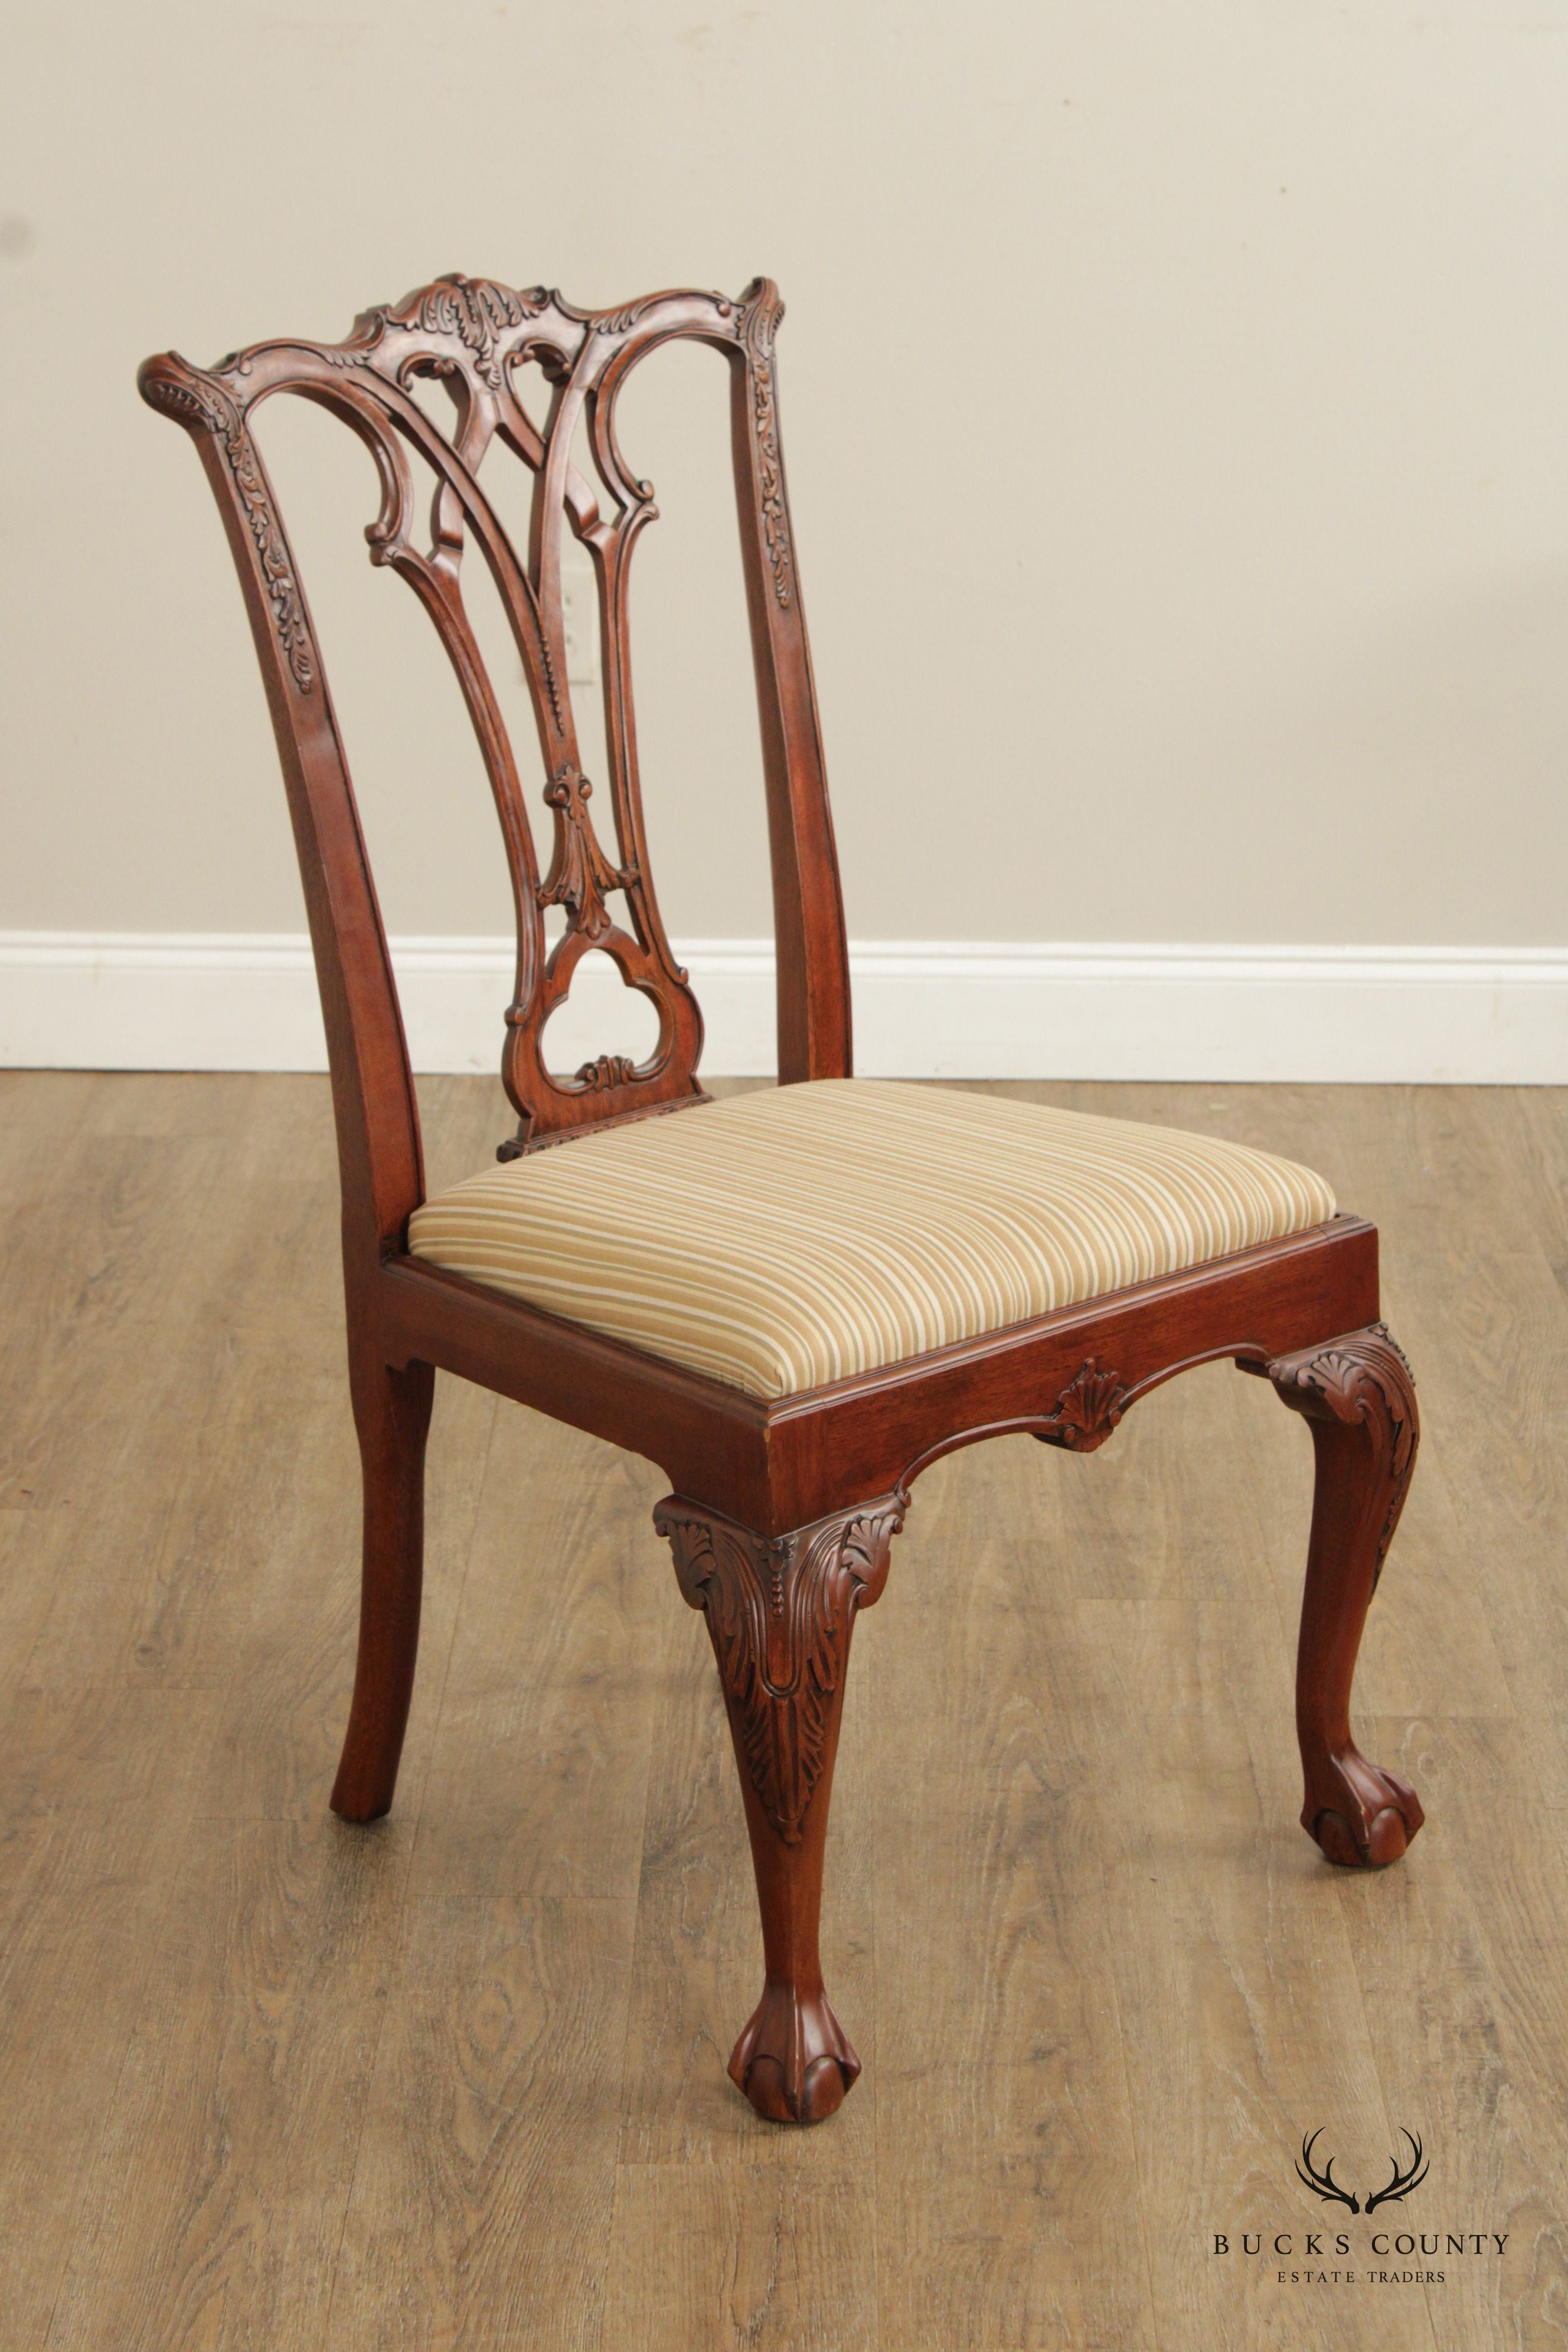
x,y
789,1238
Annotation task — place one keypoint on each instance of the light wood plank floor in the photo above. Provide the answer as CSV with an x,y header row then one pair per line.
x,y
457,2079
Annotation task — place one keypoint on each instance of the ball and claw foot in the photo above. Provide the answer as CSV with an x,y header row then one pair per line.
x,y
793,2061
1363,1817
1357,1395
780,1612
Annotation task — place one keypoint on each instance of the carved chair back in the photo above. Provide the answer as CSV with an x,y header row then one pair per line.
x,y
475,335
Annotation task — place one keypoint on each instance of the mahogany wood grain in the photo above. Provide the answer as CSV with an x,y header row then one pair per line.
x,y
780,1613
782,1512
392,1415
1359,1402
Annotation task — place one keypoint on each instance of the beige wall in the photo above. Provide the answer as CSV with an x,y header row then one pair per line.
x,y
1175,400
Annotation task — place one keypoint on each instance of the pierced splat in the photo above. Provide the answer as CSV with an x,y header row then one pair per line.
x,y
475,335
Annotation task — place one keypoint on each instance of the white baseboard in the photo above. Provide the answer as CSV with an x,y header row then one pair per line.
x,y
923,1009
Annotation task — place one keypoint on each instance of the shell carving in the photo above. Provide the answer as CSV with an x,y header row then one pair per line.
x,y
1087,1412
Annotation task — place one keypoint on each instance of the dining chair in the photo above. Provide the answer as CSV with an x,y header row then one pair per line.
x,y
793,1301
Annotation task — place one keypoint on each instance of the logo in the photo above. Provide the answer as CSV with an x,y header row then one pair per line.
x,y
1327,2256
1323,2184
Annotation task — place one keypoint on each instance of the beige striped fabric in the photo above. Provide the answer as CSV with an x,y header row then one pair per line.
x,y
786,1238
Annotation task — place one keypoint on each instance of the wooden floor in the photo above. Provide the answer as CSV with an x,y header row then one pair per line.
x,y
269,2081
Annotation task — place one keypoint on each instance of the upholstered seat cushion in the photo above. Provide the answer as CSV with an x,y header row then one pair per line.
x,y
790,1237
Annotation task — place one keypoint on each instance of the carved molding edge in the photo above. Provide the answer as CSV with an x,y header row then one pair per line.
x,y
1087,1412
780,1611
1362,1377
759,314
200,400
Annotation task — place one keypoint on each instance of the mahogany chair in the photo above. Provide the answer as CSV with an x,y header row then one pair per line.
x,y
794,1301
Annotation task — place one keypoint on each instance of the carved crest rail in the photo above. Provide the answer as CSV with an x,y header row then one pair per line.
x,y
478,338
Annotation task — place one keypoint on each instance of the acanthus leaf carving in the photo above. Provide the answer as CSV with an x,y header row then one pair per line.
x,y
780,1612
1361,1378
197,401
195,398
479,312
604,322
1087,1412
760,312
580,873
1381,1331
618,321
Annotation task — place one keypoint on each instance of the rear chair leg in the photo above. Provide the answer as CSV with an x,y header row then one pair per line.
x,y
780,1613
392,1415
1359,1397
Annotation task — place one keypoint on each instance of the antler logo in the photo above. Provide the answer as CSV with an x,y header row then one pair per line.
x,y
1323,2184
1403,2182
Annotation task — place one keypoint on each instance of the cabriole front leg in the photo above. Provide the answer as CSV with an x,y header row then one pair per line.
x,y
1357,1394
780,1612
